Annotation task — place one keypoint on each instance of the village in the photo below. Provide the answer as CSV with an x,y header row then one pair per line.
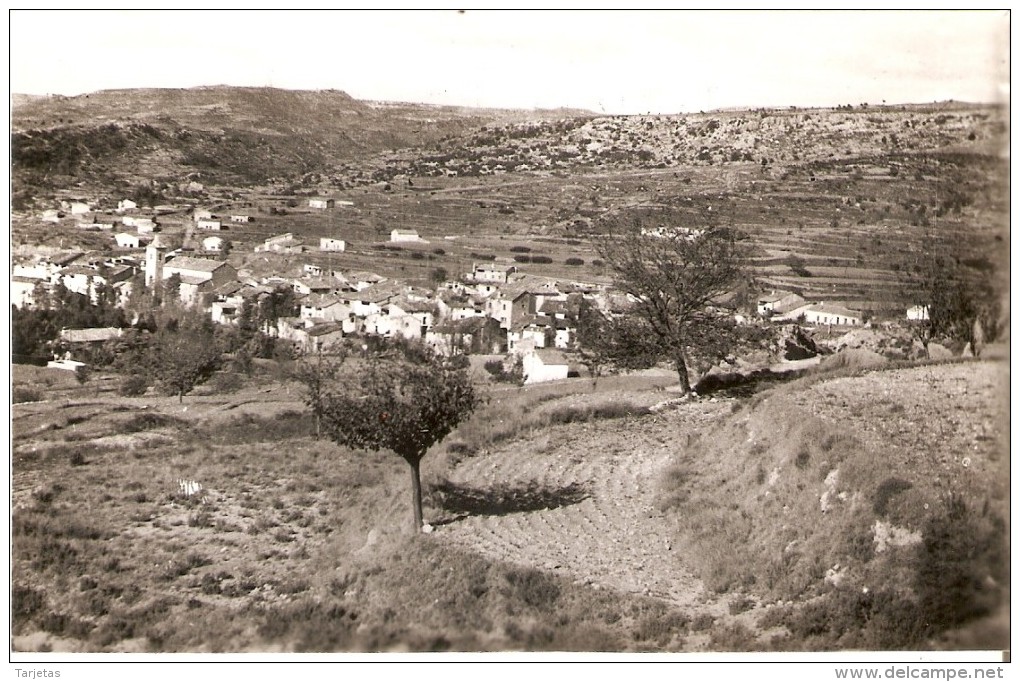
x,y
493,309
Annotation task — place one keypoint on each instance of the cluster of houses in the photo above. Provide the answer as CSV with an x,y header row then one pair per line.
x,y
786,306
493,309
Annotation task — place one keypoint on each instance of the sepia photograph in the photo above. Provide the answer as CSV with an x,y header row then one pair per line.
x,y
488,336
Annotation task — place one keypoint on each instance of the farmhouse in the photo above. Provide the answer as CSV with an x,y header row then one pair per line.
x,y
207,224
321,203
50,215
203,214
126,205
779,302
330,244
79,208
406,236
545,364
240,219
829,314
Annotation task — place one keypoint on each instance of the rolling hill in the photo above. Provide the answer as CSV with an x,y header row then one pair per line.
x,y
229,135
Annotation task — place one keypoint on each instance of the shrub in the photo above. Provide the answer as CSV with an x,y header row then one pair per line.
x,y
522,259
26,394
226,382
521,249
963,562
574,261
133,386
541,259
886,490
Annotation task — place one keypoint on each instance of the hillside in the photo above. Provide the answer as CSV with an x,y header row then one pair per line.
x,y
854,511
219,134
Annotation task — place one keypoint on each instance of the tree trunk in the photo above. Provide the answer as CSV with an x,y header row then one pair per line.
x,y
680,363
416,493
180,397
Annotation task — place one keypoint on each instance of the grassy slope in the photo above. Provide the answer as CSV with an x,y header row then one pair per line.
x,y
292,544
878,500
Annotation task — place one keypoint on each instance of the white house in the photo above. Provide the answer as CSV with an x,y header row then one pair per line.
x,y
50,215
321,203
489,272
207,224
79,208
203,214
917,313
330,244
126,240
544,364
23,290
240,219
324,307
829,314
212,244
286,243
778,302
126,205
95,226
406,236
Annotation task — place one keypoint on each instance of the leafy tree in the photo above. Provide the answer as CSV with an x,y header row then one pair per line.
x,y
280,302
172,288
676,276
82,374
181,360
393,400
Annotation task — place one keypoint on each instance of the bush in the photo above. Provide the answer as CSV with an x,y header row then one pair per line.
x,y
521,249
888,489
522,259
541,259
26,394
226,382
574,261
133,386
963,564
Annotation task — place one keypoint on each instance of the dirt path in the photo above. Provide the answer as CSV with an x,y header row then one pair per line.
x,y
615,537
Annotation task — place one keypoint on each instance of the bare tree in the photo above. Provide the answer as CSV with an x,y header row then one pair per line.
x,y
401,399
676,275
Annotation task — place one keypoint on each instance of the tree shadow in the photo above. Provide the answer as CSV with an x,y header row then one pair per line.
x,y
463,500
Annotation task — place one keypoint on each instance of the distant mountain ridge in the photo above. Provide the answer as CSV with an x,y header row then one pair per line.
x,y
230,134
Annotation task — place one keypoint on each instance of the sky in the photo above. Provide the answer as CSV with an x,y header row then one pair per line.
x,y
614,62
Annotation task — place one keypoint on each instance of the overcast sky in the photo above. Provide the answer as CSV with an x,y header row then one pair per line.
x,y
614,62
